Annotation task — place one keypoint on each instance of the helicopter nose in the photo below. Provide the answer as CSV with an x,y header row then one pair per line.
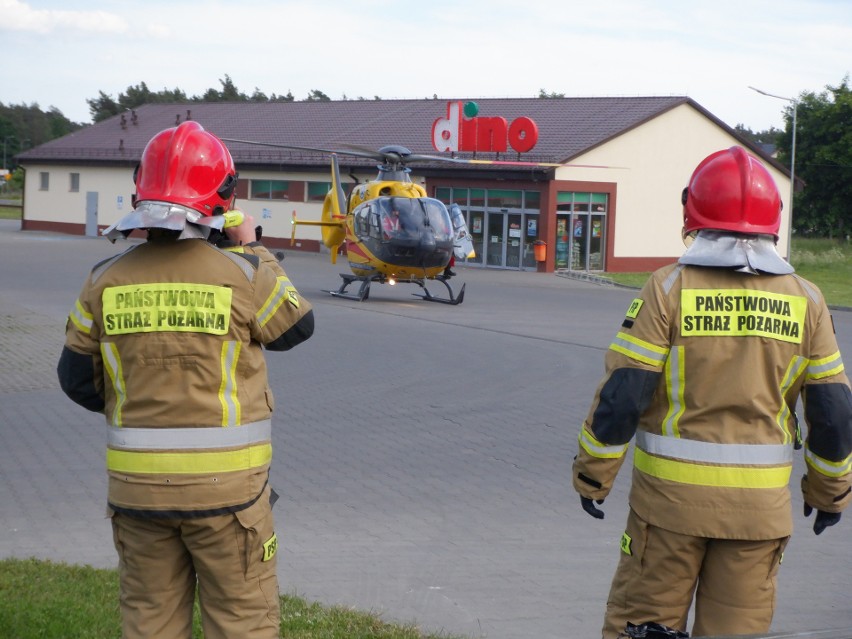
x,y
427,243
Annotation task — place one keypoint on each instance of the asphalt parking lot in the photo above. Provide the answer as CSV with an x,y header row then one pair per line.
x,y
422,451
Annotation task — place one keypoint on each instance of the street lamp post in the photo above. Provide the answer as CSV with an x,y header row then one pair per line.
x,y
792,167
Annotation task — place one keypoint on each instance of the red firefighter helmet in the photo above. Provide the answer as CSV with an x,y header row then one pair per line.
x,y
188,166
732,191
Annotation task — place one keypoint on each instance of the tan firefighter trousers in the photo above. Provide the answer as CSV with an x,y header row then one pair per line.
x,y
659,572
230,557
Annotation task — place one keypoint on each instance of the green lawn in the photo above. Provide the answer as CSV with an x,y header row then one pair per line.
x,y
826,263
41,599
10,213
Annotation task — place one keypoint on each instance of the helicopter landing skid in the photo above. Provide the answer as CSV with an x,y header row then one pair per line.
x,y
426,295
363,292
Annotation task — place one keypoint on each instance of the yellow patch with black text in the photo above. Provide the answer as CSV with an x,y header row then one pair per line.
x,y
626,541
270,547
635,307
292,295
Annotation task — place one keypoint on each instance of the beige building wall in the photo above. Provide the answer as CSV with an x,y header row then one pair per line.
x,y
275,216
114,186
59,204
660,157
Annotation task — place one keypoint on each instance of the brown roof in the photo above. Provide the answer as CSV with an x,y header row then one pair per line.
x,y
567,127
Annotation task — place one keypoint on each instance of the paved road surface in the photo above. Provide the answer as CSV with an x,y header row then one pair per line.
x,y
422,451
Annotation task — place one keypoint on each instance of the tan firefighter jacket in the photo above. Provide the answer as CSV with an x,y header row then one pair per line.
x,y
166,339
705,374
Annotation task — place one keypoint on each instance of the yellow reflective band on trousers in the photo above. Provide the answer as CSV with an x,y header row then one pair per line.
x,y
231,410
189,463
639,349
115,372
710,475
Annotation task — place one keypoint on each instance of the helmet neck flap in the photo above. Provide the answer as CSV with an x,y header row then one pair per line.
x,y
753,254
165,215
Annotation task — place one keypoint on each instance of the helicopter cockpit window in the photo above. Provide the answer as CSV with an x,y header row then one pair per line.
x,y
362,222
403,217
439,218
372,222
395,217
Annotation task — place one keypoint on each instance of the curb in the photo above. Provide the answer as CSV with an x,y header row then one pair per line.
x,y
585,276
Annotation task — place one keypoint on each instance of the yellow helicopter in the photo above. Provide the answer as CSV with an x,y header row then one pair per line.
x,y
392,231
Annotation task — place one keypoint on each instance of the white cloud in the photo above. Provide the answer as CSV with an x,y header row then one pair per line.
x,y
20,16
62,52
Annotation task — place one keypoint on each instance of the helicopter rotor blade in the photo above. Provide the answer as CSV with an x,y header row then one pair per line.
x,y
543,164
371,155
399,155
364,152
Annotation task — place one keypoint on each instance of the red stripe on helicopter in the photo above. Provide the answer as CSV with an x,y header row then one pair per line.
x,y
353,248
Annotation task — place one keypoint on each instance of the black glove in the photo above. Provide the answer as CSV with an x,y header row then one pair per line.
x,y
823,519
590,508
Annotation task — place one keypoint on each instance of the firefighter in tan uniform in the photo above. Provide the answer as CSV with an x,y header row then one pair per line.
x,y
166,339
705,374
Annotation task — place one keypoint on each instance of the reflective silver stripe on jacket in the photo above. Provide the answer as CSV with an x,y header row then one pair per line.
x,y
101,268
596,449
831,365
639,349
671,279
81,318
675,386
275,299
242,263
189,438
832,469
734,454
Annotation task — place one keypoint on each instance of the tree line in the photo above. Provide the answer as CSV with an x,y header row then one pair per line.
x,y
822,205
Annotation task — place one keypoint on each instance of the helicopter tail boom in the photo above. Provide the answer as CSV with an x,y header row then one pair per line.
x,y
333,232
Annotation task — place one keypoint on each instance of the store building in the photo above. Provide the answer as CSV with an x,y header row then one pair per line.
x,y
597,179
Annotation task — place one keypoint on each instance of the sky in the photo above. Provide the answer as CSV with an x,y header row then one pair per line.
x,y
58,54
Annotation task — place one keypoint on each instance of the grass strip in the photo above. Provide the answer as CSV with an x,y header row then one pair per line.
x,y
48,600
826,263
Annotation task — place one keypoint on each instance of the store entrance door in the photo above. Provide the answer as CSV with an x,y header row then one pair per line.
x,y
585,251
514,240
495,234
507,243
